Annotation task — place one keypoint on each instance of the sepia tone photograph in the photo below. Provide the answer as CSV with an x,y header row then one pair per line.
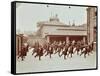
x,y
54,37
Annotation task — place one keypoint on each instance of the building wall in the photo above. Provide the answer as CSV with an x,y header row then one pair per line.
x,y
18,44
20,39
91,24
58,30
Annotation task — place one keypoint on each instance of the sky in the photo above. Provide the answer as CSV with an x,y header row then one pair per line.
x,y
27,15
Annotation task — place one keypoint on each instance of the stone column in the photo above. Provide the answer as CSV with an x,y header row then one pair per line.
x,y
48,39
90,23
67,39
84,40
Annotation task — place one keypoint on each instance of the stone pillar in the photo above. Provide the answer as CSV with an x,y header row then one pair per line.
x,y
84,39
67,39
48,39
17,44
90,24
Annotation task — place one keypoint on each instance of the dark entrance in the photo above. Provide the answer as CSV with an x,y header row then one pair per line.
x,y
57,38
62,38
76,38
